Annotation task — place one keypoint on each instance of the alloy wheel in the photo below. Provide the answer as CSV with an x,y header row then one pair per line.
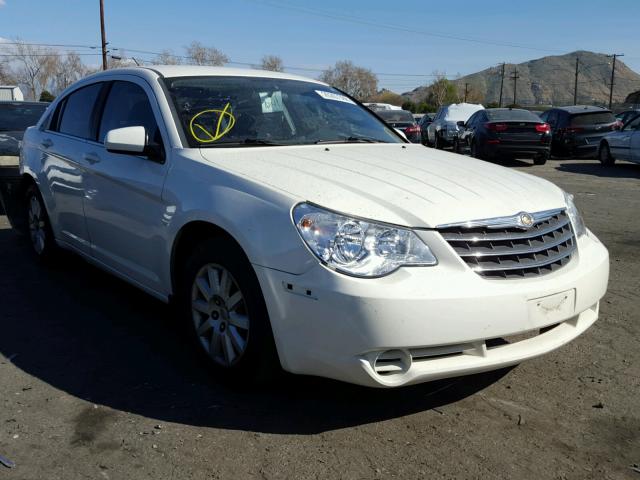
x,y
37,225
220,315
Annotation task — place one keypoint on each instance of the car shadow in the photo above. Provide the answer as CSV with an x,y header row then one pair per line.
x,y
619,170
95,337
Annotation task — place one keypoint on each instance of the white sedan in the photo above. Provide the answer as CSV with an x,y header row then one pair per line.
x,y
293,228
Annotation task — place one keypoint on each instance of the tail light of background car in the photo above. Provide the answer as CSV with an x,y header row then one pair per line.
x,y
543,128
412,129
496,127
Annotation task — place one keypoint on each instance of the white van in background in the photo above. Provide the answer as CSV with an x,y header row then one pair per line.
x,y
10,93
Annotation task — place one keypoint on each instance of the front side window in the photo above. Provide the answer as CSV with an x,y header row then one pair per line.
x,y
217,111
127,105
76,112
633,124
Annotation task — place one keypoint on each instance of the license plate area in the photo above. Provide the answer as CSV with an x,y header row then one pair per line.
x,y
551,309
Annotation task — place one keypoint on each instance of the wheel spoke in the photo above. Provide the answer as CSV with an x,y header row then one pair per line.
x,y
227,348
239,320
234,300
205,326
214,345
214,280
201,306
204,288
237,341
225,284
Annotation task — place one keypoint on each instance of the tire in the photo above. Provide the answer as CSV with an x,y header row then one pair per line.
x,y
604,155
221,303
437,143
40,235
475,152
456,146
540,159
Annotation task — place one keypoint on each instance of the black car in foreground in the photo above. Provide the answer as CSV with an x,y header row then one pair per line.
x,y
504,133
403,121
15,117
577,130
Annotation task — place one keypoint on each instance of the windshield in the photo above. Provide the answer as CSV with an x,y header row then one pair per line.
x,y
217,111
17,117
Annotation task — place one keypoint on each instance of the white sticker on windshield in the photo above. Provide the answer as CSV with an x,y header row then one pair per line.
x,y
335,96
271,103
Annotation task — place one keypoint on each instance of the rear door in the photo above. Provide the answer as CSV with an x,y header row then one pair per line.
x,y
591,127
125,214
64,145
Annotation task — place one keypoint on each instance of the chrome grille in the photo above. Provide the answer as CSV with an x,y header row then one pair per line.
x,y
504,248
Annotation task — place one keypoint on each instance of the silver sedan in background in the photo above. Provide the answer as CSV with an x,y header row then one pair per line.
x,y
623,144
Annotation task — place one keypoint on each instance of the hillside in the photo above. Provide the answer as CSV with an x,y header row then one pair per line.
x,y
550,80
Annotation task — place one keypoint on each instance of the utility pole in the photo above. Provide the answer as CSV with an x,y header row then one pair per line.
x,y
613,76
575,86
466,91
515,77
104,39
501,85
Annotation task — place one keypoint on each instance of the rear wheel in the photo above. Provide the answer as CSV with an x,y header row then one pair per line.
x,y
475,151
604,155
540,159
437,142
40,232
222,304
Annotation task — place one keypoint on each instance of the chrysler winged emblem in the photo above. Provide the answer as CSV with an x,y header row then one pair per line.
x,y
525,219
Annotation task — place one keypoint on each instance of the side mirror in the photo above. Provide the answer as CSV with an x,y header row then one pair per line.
x,y
460,123
401,133
131,140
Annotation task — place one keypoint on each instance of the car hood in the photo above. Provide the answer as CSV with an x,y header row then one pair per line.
x,y
408,185
10,142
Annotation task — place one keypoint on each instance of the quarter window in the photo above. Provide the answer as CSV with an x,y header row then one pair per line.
x,y
76,112
128,106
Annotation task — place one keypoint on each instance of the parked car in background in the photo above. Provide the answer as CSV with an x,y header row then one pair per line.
x,y
577,130
623,144
381,106
403,121
424,123
15,117
504,133
627,115
444,128
290,227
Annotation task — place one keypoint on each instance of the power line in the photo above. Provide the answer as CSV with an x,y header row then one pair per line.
x,y
401,28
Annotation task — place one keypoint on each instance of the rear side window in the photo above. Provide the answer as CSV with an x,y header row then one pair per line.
x,y
592,118
511,116
76,112
396,116
128,106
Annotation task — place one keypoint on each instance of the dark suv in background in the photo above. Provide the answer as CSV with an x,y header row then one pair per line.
x,y
404,121
577,130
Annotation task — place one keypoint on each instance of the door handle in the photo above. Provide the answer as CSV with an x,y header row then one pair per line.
x,y
46,143
91,158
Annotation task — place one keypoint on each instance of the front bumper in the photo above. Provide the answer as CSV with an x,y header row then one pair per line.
x,y
424,323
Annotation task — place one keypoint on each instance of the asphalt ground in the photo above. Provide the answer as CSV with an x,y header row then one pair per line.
x,y
97,381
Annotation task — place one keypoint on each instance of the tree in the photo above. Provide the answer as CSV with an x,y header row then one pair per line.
x,y
166,57
34,67
358,82
273,63
387,96
442,91
409,106
46,96
68,70
200,55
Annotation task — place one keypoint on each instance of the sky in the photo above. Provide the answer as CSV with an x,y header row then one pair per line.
x,y
403,42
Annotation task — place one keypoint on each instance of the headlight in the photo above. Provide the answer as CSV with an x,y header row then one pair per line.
x,y
576,219
359,247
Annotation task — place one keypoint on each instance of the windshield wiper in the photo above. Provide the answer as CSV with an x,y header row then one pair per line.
x,y
258,142
351,139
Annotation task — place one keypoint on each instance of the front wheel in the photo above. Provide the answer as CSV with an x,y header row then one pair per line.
x,y
604,155
227,318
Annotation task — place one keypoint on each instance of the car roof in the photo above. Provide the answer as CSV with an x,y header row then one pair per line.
x,y
581,109
172,71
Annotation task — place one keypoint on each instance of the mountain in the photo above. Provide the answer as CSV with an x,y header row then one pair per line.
x,y
549,81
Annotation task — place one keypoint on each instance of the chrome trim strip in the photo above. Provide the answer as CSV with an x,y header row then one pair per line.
x,y
510,221
504,251
525,266
486,237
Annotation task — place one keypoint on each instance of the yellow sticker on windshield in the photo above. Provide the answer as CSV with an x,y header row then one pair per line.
x,y
223,119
